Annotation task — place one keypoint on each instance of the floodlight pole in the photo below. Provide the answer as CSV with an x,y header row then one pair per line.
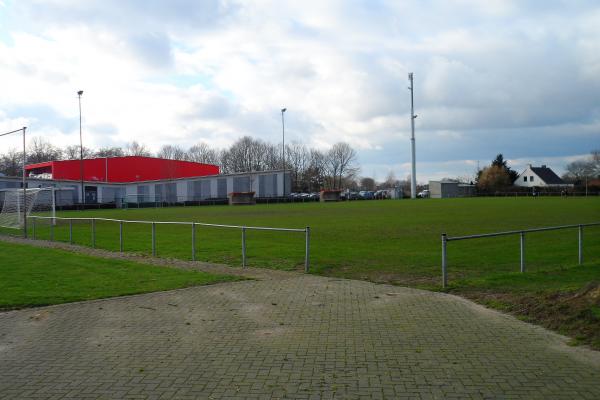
x,y
24,187
413,180
283,146
79,93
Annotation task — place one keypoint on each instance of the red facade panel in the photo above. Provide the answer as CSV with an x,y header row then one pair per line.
x,y
123,169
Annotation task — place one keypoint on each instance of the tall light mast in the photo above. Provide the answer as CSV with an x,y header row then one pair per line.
x,y
79,93
413,178
283,147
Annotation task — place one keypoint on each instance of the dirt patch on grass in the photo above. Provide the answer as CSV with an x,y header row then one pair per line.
x,y
384,277
575,314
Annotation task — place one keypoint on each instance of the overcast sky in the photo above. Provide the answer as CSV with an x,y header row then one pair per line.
x,y
520,78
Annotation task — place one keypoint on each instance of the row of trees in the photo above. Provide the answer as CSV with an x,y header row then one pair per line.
x,y
311,169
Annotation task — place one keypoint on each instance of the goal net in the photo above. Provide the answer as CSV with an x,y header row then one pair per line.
x,y
39,202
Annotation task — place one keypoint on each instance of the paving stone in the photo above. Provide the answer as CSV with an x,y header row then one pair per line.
x,y
325,338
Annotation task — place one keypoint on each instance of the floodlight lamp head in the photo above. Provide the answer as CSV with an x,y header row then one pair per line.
x,y
283,110
410,75
80,92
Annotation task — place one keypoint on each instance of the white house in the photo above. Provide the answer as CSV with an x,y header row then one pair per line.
x,y
538,177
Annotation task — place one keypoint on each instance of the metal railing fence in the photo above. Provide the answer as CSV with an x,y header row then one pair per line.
x,y
591,193
192,225
521,233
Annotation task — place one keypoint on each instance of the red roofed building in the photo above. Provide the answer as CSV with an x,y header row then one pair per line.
x,y
121,169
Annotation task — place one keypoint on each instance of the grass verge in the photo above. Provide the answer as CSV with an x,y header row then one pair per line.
x,y
566,300
32,276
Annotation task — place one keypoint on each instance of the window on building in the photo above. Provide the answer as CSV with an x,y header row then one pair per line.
x,y
524,179
531,178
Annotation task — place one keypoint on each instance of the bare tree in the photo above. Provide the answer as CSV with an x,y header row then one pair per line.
x,y
595,163
171,152
341,160
367,183
315,174
297,159
110,152
245,155
202,153
271,156
74,152
588,168
11,163
136,149
577,170
40,150
390,181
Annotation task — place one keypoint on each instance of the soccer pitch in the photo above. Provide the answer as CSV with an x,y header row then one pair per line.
x,y
394,241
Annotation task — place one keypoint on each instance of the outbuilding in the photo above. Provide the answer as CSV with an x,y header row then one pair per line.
x,y
447,188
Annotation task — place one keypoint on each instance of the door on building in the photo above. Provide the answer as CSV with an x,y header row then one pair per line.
x,y
91,195
222,188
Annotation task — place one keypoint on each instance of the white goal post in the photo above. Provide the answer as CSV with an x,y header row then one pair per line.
x,y
35,201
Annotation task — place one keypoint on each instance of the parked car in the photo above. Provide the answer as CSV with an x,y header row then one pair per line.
x,y
381,194
423,194
365,195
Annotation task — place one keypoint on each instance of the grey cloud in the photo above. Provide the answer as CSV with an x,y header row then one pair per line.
x,y
146,26
104,129
132,15
42,116
210,107
153,49
518,80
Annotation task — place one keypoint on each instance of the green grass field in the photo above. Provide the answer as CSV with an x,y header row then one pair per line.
x,y
388,241
33,276
383,241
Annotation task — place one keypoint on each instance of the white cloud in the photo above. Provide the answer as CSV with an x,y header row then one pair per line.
x,y
182,72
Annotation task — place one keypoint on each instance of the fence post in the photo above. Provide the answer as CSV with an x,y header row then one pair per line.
x,y
243,247
121,236
93,233
444,262
33,227
193,241
522,246
70,231
580,244
307,251
153,239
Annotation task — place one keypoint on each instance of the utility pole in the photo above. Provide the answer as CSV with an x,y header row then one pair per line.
x,y
283,147
79,93
413,180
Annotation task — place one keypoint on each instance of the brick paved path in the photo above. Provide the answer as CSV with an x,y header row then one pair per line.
x,y
285,335
292,337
